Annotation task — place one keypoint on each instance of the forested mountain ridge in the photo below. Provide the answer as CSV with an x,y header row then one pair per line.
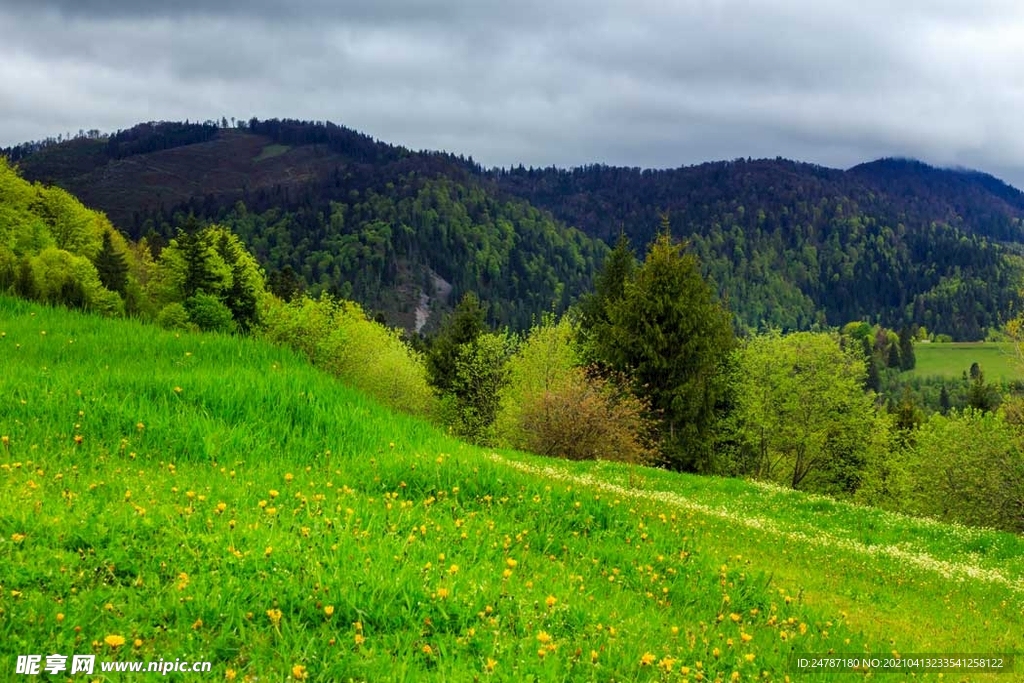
x,y
793,244
331,210
787,244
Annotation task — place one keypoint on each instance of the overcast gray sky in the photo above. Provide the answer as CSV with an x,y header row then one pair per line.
x,y
638,82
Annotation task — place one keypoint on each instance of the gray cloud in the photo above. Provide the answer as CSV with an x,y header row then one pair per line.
x,y
640,83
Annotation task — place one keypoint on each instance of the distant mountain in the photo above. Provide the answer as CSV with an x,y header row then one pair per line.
x,y
795,244
404,233
787,244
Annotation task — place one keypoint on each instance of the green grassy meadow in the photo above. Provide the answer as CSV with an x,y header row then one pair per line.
x,y
213,498
997,360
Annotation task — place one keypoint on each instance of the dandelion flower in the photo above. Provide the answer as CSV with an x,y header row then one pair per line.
x,y
114,640
329,610
299,672
647,659
551,601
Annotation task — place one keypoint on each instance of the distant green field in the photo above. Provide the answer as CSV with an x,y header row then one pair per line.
x,y
271,151
997,360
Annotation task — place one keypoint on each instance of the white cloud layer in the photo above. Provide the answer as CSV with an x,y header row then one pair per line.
x,y
657,83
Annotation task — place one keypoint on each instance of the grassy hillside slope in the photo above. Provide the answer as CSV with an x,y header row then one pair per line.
x,y
211,498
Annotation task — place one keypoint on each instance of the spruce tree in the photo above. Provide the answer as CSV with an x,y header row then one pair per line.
x,y
461,329
894,360
194,243
609,286
907,359
111,266
671,337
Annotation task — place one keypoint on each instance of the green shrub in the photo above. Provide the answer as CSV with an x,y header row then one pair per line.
x,y
210,314
173,317
339,338
968,467
550,406
59,277
585,419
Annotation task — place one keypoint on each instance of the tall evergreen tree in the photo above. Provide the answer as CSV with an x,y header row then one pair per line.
x,y
111,266
944,402
907,359
609,287
894,360
194,244
672,338
462,328
240,296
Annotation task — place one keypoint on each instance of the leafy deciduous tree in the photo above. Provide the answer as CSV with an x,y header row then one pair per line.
x,y
801,409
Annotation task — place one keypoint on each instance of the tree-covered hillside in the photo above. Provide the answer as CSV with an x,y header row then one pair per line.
x,y
327,209
793,244
786,244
